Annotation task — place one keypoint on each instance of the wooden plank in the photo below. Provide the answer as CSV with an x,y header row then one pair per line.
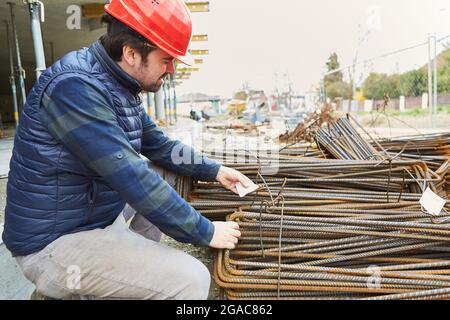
x,y
198,6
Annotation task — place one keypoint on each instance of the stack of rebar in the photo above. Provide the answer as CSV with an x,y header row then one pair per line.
x,y
306,150
335,219
342,140
378,251
319,182
433,149
183,186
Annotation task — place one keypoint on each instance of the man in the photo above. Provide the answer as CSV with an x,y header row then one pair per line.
x,y
257,117
84,211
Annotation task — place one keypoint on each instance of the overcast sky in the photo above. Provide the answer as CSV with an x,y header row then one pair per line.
x,y
253,40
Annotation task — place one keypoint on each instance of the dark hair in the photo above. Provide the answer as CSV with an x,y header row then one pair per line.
x,y
120,35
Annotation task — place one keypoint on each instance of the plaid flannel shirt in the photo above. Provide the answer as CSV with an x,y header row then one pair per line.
x,y
79,114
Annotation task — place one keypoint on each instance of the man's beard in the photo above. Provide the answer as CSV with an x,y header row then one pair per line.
x,y
153,88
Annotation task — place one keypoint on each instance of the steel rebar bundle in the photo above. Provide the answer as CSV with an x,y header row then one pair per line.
x,y
433,149
342,140
336,219
395,253
424,147
314,182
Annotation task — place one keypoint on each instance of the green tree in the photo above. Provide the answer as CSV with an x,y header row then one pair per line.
x,y
444,82
335,86
339,89
379,84
413,83
333,64
444,72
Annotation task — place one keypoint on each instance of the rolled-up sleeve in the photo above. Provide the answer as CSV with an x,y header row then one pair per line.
x,y
79,114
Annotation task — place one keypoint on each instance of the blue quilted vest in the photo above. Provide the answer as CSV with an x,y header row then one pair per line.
x,y
50,193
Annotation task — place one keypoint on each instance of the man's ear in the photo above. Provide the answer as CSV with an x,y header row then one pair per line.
x,y
129,55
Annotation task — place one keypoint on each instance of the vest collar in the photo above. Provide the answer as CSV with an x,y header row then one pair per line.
x,y
114,69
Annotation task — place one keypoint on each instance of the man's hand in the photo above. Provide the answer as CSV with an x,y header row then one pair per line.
x,y
229,178
226,235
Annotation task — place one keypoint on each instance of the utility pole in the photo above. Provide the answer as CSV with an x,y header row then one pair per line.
x,y
364,37
169,99
12,77
435,105
430,75
166,102
37,16
20,69
435,82
159,104
174,81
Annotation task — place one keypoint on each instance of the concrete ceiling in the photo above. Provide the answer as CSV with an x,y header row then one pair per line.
x,y
54,30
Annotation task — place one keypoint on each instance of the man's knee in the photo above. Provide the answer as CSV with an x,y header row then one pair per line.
x,y
198,280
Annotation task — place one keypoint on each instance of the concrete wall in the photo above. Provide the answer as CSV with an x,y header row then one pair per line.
x,y
410,103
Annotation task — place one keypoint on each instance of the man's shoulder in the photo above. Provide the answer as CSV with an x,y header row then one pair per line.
x,y
79,64
82,83
78,60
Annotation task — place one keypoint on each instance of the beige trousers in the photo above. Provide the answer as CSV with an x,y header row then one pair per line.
x,y
123,261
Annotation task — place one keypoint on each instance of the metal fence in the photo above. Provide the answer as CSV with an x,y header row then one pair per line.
x,y
416,77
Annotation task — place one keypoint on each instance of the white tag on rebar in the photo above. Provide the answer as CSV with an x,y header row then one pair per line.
x,y
432,202
245,191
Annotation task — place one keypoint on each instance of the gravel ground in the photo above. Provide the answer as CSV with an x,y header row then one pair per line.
x,y
400,125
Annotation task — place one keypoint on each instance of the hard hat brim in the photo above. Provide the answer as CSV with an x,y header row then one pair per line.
x,y
188,59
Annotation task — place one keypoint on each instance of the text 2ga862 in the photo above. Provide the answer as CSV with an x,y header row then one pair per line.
x,y
246,309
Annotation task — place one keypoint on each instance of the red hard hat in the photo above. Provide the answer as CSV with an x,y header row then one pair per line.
x,y
166,23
